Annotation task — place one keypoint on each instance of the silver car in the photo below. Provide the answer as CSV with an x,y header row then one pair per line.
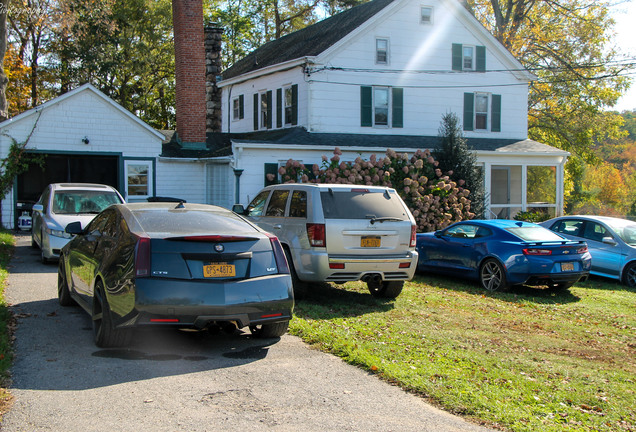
x,y
62,203
611,242
339,233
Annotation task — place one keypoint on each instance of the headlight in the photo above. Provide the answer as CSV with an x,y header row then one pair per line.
x,y
58,233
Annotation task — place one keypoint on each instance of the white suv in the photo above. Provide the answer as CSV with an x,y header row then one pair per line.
x,y
339,233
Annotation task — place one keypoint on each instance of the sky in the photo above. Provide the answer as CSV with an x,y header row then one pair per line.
x,y
624,14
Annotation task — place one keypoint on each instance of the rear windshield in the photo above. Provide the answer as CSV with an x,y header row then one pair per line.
x,y
361,205
82,201
535,234
179,222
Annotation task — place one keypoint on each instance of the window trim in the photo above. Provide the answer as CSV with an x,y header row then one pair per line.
x,y
238,111
493,113
430,20
488,112
288,121
473,50
149,164
389,107
378,51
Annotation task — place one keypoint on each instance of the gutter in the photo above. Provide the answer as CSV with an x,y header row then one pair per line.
x,y
268,70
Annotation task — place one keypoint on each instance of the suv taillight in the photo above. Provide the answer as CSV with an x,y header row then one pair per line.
x,y
279,254
316,234
142,257
413,236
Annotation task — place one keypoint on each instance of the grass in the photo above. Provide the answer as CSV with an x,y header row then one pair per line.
x,y
7,243
527,360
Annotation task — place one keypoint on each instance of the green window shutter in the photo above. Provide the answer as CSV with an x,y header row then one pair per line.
x,y
397,120
271,168
294,119
256,111
457,57
269,109
366,106
481,59
469,104
496,113
279,108
241,107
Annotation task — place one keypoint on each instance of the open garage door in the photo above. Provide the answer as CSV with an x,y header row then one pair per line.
x,y
60,168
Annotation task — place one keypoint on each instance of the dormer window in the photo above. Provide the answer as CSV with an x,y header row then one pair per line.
x,y
426,15
382,51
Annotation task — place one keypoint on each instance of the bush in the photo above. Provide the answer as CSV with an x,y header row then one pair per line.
x,y
434,199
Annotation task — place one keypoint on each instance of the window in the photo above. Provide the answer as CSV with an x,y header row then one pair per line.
x,y
288,106
277,203
298,205
426,16
381,106
138,179
263,110
482,112
468,58
255,208
238,110
382,51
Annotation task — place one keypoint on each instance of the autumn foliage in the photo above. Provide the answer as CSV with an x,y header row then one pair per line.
x,y
434,199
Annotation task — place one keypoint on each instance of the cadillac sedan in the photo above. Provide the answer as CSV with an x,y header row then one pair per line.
x,y
175,264
503,253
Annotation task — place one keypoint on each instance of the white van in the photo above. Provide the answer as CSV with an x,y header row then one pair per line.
x,y
340,233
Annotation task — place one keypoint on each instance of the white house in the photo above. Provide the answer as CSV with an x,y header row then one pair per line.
x,y
381,75
85,136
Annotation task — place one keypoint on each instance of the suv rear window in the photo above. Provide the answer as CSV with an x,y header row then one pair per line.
x,y
361,205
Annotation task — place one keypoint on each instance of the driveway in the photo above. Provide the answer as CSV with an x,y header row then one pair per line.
x,y
185,381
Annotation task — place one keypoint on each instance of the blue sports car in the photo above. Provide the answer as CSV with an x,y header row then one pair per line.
x,y
502,253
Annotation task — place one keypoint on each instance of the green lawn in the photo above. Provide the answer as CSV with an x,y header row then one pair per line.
x,y
528,360
6,249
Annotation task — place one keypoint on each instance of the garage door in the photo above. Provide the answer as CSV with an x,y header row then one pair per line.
x,y
59,168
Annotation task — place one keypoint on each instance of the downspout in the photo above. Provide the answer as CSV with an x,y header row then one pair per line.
x,y
237,174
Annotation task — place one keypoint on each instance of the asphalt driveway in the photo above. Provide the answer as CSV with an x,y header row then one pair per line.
x,y
185,381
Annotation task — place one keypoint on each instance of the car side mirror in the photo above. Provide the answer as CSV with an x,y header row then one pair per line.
x,y
74,228
438,233
610,241
238,209
38,207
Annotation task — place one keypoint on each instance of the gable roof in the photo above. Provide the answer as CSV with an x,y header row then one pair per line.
x,y
307,42
86,87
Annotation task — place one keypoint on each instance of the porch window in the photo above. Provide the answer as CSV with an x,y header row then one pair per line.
x,y
138,179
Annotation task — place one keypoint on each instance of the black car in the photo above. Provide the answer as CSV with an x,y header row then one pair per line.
x,y
183,265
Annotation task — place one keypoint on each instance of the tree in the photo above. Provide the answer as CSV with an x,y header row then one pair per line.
x,y
460,162
566,43
4,7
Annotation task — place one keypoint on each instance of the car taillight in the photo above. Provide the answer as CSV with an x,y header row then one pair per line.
x,y
279,254
142,257
537,252
316,234
581,250
413,236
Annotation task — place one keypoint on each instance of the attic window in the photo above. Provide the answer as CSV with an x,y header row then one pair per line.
x,y
382,51
426,16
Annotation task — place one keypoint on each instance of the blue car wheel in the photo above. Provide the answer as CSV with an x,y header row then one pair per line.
x,y
629,275
492,276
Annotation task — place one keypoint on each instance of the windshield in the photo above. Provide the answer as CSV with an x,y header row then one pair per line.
x,y
82,201
535,234
625,229
362,204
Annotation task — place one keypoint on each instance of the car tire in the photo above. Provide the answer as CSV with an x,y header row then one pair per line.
x,y
300,287
492,276
34,244
43,259
63,293
270,330
386,289
629,275
104,334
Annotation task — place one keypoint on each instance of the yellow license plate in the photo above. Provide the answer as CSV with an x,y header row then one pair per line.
x,y
567,266
219,270
370,241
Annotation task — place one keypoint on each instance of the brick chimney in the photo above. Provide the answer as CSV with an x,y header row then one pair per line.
x,y
213,65
190,72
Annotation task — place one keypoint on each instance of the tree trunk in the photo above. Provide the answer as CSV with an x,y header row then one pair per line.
x,y
4,111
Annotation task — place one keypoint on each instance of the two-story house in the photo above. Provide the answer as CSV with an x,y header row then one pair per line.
x,y
381,75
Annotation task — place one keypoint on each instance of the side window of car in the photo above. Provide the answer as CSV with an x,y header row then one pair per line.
x,y
277,202
97,224
110,227
570,227
44,199
596,232
298,205
462,231
256,206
